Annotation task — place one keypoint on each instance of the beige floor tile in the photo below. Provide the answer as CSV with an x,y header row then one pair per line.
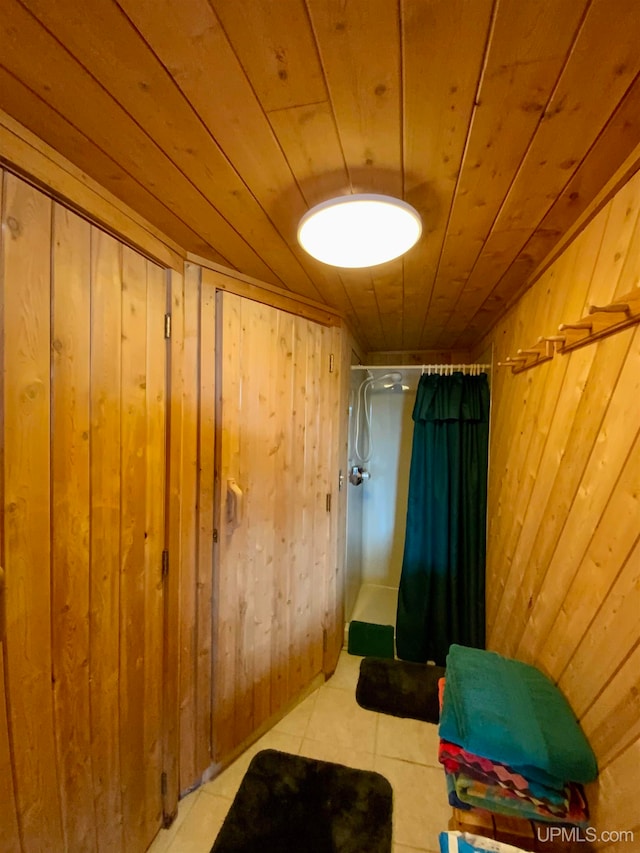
x,y
297,720
420,807
199,831
329,725
409,740
163,839
228,782
347,671
338,719
323,751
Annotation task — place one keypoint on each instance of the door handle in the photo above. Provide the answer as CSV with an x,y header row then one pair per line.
x,y
234,504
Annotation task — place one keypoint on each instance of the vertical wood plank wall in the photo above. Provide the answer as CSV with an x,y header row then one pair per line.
x,y
191,535
294,548
563,557
83,482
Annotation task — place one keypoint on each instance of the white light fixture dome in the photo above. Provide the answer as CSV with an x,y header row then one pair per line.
x,y
360,230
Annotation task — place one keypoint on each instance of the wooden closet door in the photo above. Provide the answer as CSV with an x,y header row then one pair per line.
x,y
82,481
9,836
275,560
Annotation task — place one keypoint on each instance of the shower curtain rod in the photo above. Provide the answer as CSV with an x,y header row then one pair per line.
x,y
425,368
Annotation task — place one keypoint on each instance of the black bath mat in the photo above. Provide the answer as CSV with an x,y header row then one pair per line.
x,y
367,638
399,688
287,803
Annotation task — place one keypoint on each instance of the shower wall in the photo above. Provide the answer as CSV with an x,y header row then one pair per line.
x,y
385,493
353,560
376,509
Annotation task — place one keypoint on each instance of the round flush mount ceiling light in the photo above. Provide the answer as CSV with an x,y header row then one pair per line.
x,y
359,230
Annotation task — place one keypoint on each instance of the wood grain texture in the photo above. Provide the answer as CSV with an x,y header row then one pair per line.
x,y
435,128
275,566
578,121
156,500
51,63
222,122
104,660
26,224
71,503
562,563
528,46
10,838
82,469
193,150
172,649
189,768
133,468
206,474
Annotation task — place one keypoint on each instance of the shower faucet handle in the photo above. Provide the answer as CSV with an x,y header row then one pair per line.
x,y
357,475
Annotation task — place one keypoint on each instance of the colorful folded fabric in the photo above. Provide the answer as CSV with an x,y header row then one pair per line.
x,y
465,842
508,711
455,759
478,794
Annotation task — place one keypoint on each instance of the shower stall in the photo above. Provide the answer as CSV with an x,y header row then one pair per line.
x,y
379,459
380,434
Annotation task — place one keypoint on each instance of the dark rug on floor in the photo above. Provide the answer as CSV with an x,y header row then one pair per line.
x,y
369,639
399,688
287,803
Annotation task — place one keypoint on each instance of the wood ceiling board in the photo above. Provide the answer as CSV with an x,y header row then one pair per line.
x,y
528,48
494,260
276,47
36,115
419,273
618,139
595,79
139,83
620,218
359,287
309,140
196,52
60,81
387,280
359,46
443,47
617,142
271,96
570,126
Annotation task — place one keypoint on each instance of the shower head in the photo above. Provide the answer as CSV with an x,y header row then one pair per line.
x,y
387,377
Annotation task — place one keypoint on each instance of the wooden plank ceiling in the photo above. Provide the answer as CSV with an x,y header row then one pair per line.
x,y
222,121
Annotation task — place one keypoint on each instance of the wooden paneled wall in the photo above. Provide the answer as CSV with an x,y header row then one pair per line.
x,y
272,391
190,535
563,558
83,402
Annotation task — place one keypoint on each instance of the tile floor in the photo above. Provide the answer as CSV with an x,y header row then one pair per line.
x,y
331,726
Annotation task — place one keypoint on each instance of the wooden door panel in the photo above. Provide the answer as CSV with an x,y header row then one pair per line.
x,y
83,485
275,438
10,836
70,425
26,226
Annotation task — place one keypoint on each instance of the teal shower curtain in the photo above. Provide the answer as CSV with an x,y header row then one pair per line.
x,y
442,586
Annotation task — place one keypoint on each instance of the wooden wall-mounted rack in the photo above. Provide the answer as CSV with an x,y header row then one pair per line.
x,y
600,321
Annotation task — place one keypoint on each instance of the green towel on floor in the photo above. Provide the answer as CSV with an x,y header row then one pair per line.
x,y
370,640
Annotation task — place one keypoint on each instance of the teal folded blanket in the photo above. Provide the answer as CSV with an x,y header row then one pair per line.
x,y
509,711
